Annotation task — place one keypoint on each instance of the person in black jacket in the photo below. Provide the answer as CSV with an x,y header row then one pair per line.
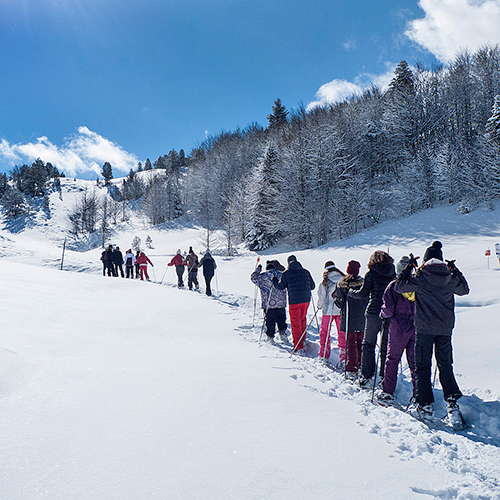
x,y
117,262
352,317
435,284
107,259
299,283
209,267
380,273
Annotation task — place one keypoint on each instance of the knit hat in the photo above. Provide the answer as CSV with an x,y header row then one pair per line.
x,y
190,250
329,265
269,265
291,259
403,262
179,251
353,267
434,252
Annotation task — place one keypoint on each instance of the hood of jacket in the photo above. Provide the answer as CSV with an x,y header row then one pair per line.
x,y
384,268
295,265
351,282
436,273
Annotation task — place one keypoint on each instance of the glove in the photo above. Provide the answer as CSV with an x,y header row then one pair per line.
x,y
413,260
451,265
259,268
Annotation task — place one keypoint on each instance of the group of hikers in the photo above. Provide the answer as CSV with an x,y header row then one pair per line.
x,y
136,266
410,305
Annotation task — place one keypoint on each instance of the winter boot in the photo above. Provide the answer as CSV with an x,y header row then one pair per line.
x,y
384,397
283,336
365,383
421,412
455,417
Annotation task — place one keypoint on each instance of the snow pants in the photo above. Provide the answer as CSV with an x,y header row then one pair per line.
x,y
208,279
129,271
298,314
193,278
441,345
180,272
275,317
144,271
324,335
119,267
353,348
401,338
373,325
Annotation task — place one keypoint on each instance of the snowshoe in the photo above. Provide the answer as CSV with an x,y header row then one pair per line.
x,y
365,383
454,418
422,412
384,397
352,376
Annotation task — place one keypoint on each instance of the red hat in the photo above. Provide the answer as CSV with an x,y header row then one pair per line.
x,y
353,267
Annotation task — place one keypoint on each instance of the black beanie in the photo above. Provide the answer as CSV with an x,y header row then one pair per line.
x,y
434,252
269,265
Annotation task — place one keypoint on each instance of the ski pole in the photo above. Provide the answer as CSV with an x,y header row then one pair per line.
x,y
216,282
166,269
154,274
314,309
255,296
377,359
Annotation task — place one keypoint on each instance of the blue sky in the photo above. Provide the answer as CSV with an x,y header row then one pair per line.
x,y
88,81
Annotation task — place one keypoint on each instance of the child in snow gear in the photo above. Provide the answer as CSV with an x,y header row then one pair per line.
x,y
331,313
209,267
299,283
435,284
273,301
400,310
118,261
178,262
191,262
380,273
352,316
143,261
129,264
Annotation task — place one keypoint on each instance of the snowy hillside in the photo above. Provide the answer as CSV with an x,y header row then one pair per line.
x,y
121,389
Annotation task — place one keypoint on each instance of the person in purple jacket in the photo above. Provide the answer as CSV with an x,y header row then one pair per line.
x,y
400,310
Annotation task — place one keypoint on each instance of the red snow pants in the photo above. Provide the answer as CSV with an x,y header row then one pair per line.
x,y
298,313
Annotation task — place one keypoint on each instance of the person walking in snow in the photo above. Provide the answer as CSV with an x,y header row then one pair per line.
x,y
331,313
435,284
273,300
178,262
108,260
352,317
299,283
143,262
209,266
399,309
380,273
118,261
191,262
137,267
129,263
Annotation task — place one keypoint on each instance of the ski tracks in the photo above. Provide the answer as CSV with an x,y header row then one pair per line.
x,y
473,454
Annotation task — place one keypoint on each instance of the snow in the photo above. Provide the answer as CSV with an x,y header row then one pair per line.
x,y
121,389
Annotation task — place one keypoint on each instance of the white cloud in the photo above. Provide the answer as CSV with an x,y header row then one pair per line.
x,y
334,91
84,152
452,25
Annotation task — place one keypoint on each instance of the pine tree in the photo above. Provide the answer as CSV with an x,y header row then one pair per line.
x,y
147,164
278,117
107,172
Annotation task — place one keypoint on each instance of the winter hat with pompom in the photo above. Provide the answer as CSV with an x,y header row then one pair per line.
x,y
403,262
434,252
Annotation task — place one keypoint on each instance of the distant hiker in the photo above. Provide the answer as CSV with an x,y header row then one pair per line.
x,y
103,263
143,261
352,317
435,284
273,300
380,273
209,267
108,260
118,261
400,310
191,262
178,262
299,283
331,313
137,267
129,264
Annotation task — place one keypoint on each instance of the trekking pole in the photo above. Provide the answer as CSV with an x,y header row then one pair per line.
x,y
377,359
314,309
434,378
216,282
154,274
346,334
255,296
166,269
302,336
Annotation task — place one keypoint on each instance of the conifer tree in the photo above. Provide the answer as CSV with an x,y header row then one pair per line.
x,y
278,117
107,172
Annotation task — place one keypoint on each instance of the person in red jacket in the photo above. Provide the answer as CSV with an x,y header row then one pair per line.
x,y
179,264
143,265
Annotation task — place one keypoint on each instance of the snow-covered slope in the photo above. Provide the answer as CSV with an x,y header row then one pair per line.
x,y
120,389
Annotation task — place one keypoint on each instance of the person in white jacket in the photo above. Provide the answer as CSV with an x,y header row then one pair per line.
x,y
331,313
129,264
